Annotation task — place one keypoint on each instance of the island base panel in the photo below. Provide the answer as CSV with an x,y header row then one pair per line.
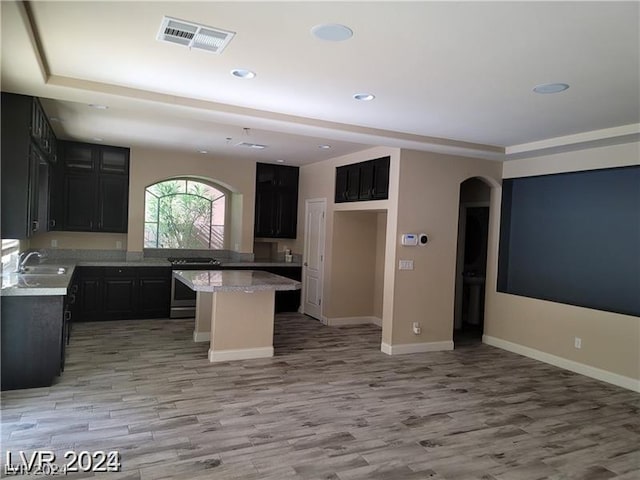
x,y
204,307
241,325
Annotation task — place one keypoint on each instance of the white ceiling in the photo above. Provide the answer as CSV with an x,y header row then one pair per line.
x,y
455,77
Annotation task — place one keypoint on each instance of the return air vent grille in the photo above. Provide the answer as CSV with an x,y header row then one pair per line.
x,y
193,35
256,146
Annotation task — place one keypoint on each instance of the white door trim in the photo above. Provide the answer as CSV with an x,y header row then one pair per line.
x,y
305,254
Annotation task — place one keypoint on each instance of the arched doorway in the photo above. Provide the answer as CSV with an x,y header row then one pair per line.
x,y
471,265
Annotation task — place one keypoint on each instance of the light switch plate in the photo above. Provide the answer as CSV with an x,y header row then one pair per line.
x,y
406,265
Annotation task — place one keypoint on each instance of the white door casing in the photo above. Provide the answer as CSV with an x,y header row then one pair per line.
x,y
313,257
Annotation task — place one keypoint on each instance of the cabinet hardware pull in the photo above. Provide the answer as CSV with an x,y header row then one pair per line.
x,y
52,223
67,315
34,226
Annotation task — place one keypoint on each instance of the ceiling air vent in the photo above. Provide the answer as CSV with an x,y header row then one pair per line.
x,y
256,146
193,35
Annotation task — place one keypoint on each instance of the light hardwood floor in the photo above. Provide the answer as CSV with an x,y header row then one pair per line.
x,y
329,405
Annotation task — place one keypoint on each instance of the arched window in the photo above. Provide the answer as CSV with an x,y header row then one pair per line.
x,y
184,213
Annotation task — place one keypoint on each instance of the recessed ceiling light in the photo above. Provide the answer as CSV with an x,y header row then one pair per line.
x,y
324,147
98,139
98,106
551,88
243,73
364,97
203,151
280,161
332,32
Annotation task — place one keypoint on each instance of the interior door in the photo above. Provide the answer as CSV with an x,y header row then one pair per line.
x,y
313,265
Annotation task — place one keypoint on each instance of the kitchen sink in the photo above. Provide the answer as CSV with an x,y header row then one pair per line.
x,y
44,270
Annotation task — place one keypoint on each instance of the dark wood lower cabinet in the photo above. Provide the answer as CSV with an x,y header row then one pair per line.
x,y
121,293
154,292
33,340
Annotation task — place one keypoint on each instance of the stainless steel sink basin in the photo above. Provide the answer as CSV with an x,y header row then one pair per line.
x,y
44,270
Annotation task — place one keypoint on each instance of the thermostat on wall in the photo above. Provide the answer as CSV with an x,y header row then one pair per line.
x,y
410,239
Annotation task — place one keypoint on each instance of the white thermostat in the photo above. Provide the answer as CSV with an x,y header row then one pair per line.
x,y
409,239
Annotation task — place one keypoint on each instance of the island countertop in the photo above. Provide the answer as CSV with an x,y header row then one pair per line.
x,y
234,280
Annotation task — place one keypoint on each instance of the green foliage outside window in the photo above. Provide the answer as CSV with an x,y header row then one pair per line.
x,y
184,213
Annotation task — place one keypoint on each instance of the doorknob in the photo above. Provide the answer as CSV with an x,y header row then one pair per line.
x,y
305,264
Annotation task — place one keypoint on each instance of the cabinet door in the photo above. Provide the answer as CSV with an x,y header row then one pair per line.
x,y
365,189
286,213
266,174
79,202
342,179
113,205
154,291
90,297
56,197
287,177
119,293
33,223
79,157
264,225
380,189
353,182
113,160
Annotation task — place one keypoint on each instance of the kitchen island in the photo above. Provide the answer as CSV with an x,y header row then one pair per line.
x,y
235,310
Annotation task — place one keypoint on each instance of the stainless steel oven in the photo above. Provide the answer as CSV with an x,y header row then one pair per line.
x,y
183,299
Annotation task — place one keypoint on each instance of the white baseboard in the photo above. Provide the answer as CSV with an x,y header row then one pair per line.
x,y
243,354
201,336
338,321
587,370
416,347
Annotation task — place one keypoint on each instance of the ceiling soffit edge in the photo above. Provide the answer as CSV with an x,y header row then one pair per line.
x,y
282,122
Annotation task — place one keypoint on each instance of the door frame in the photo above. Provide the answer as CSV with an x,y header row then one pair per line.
x,y
462,230
303,291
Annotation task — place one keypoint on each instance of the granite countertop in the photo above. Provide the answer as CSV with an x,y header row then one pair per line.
x,y
14,284
162,262
234,280
34,284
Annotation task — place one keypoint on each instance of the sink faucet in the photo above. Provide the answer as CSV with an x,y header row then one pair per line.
x,y
22,261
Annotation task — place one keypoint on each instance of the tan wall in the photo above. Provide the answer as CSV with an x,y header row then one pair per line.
x,y
428,202
610,341
80,240
318,181
354,264
378,282
149,166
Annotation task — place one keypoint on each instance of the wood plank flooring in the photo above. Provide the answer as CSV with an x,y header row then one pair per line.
x,y
329,405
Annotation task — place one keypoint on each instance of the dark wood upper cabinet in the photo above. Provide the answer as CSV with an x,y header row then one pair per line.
x,y
380,178
93,189
28,148
276,207
363,181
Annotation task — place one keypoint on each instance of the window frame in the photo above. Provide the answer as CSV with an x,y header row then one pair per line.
x,y
224,194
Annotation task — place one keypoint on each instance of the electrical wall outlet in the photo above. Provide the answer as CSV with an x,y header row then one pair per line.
x,y
577,342
406,265
416,328
54,243
118,244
